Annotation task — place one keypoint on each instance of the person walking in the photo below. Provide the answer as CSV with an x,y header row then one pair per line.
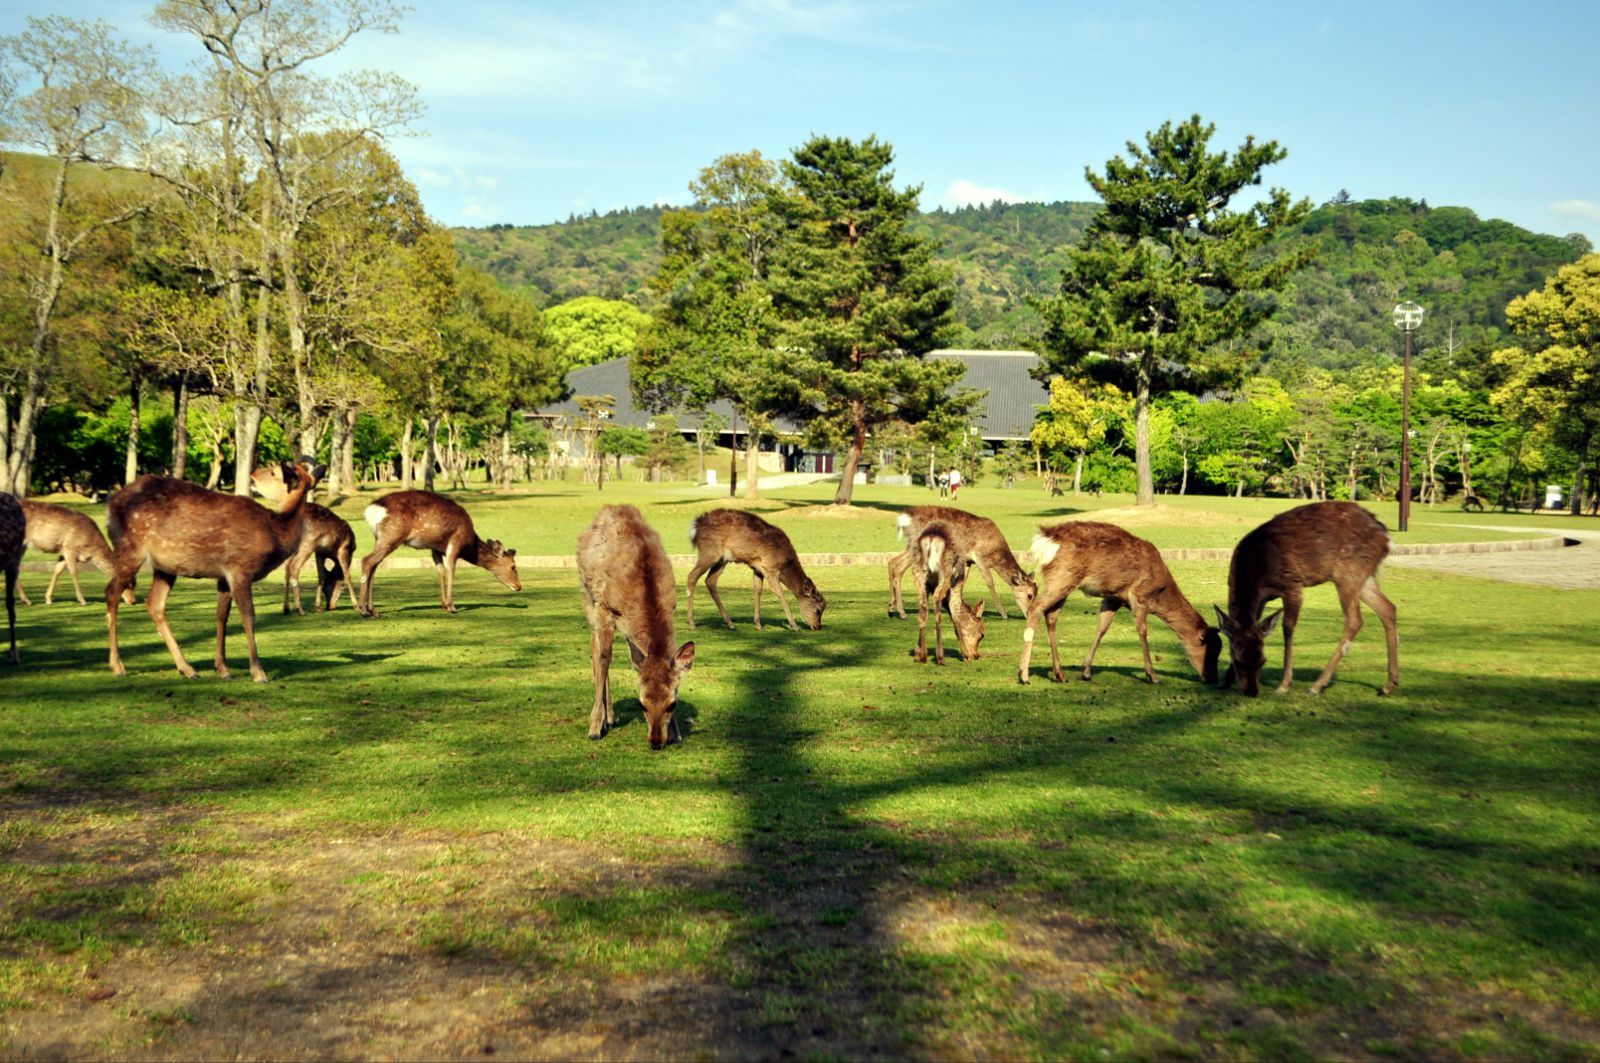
x,y
955,483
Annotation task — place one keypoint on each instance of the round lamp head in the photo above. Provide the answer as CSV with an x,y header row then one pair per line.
x,y
1408,317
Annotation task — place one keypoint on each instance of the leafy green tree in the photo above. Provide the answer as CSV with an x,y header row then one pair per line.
x,y
1168,278
589,330
861,295
1076,421
1553,378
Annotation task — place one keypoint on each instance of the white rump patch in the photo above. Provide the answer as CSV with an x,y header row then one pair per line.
x,y
901,524
694,532
1044,549
933,553
374,515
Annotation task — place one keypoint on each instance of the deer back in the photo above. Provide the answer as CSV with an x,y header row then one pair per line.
x,y
422,519
54,529
1338,542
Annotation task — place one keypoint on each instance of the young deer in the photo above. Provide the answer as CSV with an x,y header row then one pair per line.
x,y
1308,545
13,533
1121,570
725,535
428,521
977,539
186,530
628,585
941,577
74,538
328,538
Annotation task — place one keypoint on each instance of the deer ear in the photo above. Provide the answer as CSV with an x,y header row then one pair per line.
x,y
286,470
511,553
685,658
318,473
636,654
1224,621
1270,622
977,610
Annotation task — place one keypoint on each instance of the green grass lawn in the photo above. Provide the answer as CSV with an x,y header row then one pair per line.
x,y
406,835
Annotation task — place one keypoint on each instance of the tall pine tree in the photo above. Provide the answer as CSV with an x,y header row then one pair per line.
x,y
861,296
1167,280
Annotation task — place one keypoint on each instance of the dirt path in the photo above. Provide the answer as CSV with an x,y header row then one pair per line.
x,y
1574,568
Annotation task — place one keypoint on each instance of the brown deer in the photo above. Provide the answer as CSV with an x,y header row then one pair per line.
x,y
941,577
977,539
428,521
1121,569
13,533
74,538
186,530
328,538
725,535
1305,546
628,585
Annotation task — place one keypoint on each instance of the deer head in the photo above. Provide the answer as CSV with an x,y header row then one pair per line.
x,y
493,557
276,481
1247,646
658,690
969,629
1024,590
812,603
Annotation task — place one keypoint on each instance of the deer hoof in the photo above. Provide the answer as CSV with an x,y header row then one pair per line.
x,y
1058,675
1022,678
1387,689
1085,675
262,678
729,625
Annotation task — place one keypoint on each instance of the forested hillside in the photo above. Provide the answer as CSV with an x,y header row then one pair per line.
x,y
1463,269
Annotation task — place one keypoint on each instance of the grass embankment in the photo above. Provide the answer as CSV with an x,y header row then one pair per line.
x,y
404,845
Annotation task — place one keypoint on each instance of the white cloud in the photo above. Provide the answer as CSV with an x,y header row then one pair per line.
x,y
1579,209
432,178
964,193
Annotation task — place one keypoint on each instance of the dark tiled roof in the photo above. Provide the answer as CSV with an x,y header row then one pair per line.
x,y
1006,412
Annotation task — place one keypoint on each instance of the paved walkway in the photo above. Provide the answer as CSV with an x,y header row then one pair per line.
x,y
1575,568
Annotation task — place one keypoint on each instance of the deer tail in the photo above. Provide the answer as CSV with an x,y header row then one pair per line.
x,y
1043,549
694,532
902,524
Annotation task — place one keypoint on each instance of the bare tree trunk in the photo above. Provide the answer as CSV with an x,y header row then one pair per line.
x,y
505,454
1145,492
1077,474
431,423
346,457
1183,486
130,464
180,424
405,457
752,468
733,455
335,477
858,444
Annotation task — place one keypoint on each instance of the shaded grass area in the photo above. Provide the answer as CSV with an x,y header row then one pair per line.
x,y
850,855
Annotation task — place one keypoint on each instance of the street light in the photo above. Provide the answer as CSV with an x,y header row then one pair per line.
x,y
1407,318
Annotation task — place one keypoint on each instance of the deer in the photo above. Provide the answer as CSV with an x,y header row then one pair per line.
x,y
185,530
1123,571
426,520
329,539
628,585
1303,547
724,535
976,538
941,576
74,538
13,536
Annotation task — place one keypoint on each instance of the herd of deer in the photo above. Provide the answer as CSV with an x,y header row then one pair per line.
x,y
182,529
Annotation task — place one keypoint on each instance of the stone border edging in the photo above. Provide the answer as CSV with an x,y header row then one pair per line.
x,y
569,561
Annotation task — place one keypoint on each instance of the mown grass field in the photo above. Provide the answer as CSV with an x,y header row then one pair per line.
x,y
404,845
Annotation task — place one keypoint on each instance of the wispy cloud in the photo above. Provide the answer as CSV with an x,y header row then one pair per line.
x,y
1579,209
964,193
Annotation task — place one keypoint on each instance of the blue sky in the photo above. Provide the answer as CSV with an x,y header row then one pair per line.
x,y
539,110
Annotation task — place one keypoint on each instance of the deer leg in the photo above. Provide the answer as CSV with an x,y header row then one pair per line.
x,y
346,554
369,569
897,574
1386,612
451,555
777,588
1108,613
55,574
761,585
224,607
291,584
711,585
245,595
1291,617
11,609
920,654
1141,624
17,583
1051,617
1351,601
602,633
699,569
155,603
124,568
71,561
438,570
1040,606
994,595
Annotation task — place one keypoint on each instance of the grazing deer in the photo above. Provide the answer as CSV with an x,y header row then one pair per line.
x,y
186,530
328,538
1308,545
628,585
725,535
428,521
13,533
54,529
977,539
941,576
1121,569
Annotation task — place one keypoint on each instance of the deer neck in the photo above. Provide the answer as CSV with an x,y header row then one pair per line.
x,y
1178,613
469,552
291,516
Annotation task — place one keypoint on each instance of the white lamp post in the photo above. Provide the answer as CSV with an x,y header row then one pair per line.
x,y
1407,318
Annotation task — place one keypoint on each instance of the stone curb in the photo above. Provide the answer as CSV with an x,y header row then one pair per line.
x,y
568,561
